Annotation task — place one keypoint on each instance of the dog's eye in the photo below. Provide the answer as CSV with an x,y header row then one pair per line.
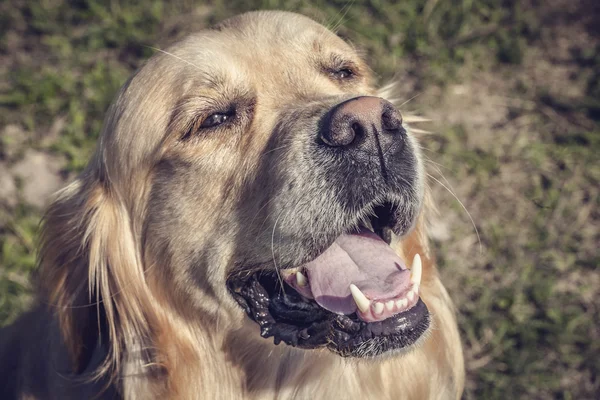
x,y
343,73
216,119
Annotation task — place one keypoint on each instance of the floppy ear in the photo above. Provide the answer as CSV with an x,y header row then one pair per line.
x,y
91,272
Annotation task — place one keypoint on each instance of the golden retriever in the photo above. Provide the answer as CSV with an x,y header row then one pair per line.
x,y
251,186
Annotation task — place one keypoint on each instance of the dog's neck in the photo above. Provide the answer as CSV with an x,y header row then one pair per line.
x,y
240,366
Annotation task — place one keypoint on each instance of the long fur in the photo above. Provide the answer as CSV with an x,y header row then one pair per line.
x,y
110,320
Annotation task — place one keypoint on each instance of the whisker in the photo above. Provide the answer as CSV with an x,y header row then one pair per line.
x,y
435,164
463,207
275,149
258,212
419,131
411,118
174,56
345,10
273,250
411,99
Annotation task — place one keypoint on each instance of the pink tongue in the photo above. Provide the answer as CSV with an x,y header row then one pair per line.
x,y
362,259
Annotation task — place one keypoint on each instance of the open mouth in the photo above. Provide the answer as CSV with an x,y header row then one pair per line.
x,y
357,298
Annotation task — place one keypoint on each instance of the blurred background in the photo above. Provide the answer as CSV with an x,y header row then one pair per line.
x,y
512,89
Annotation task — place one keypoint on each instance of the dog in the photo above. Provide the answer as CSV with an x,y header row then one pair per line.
x,y
252,225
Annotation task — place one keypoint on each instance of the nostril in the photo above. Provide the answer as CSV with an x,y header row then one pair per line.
x,y
357,129
391,120
341,131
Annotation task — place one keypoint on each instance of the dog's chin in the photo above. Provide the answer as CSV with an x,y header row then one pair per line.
x,y
321,305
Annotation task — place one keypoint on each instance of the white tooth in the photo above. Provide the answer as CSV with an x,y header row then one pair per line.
x,y
300,279
410,295
389,305
378,307
416,270
359,298
402,303
287,273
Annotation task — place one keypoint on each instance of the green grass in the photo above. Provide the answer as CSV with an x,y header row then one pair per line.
x,y
515,97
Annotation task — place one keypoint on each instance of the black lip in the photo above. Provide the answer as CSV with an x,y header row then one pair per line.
x,y
289,317
387,216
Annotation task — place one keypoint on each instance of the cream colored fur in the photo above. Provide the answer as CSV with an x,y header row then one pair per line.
x,y
118,312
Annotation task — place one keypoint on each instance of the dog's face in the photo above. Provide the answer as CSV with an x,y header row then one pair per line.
x,y
264,169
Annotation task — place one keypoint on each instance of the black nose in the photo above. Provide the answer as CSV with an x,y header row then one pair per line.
x,y
369,122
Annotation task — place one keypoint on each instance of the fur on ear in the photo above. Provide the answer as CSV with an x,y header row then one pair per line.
x,y
91,272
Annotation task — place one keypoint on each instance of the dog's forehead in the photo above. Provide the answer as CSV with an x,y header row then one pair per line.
x,y
271,29
260,42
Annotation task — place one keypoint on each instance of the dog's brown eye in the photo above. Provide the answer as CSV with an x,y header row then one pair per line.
x,y
216,119
343,73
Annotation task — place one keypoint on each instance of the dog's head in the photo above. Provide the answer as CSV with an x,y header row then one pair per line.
x,y
249,167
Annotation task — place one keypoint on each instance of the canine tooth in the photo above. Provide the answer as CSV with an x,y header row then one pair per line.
x,y
389,305
300,279
402,303
416,270
378,307
410,295
359,298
